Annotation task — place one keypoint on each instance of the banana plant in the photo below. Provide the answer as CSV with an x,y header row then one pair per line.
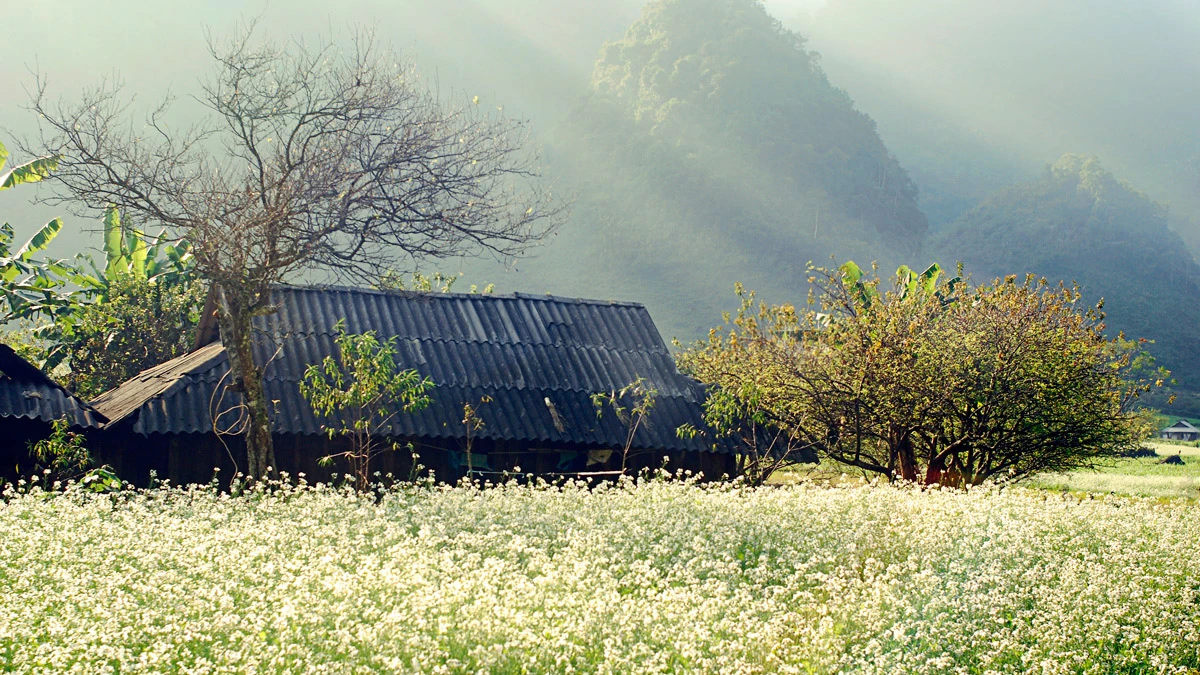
x,y
29,172
31,287
863,289
129,253
926,283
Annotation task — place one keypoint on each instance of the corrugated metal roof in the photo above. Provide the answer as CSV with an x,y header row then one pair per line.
x,y
27,392
519,351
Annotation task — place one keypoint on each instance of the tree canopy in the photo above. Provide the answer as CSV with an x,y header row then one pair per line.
x,y
934,380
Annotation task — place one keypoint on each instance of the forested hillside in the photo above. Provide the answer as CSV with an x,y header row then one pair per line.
x,y
712,148
1078,223
971,94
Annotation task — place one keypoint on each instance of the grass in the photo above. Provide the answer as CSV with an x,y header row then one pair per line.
x,y
1141,477
647,577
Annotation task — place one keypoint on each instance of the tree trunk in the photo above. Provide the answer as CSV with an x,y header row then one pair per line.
x,y
936,472
234,316
905,458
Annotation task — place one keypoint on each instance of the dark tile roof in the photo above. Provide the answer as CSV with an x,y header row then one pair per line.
x,y
526,353
26,392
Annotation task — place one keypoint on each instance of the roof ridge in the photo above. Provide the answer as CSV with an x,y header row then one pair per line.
x,y
515,295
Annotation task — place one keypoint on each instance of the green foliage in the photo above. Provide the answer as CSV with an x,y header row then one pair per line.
x,y
130,254
631,404
426,283
139,309
65,458
29,172
359,392
136,325
31,288
937,381
64,452
1078,223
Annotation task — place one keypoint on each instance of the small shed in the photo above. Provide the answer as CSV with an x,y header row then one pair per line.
x,y
529,365
1180,431
29,401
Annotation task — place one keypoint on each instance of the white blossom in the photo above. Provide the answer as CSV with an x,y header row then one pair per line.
x,y
646,577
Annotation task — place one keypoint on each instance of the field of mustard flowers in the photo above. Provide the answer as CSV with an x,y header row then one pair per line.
x,y
644,577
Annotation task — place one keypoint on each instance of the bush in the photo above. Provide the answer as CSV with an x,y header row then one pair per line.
x,y
935,381
139,324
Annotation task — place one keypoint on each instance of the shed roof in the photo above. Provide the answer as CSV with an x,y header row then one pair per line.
x,y
26,392
1182,425
537,360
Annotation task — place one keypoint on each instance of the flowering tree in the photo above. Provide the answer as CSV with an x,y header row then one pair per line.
x,y
935,381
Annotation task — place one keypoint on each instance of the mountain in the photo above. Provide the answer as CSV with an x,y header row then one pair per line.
x,y
971,94
1078,223
711,148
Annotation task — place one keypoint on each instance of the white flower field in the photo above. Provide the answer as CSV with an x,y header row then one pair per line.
x,y
653,577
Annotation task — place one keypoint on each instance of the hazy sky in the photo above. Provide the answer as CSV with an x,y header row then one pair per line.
x,y
1038,77
533,56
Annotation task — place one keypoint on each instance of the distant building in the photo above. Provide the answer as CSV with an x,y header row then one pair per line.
x,y
29,402
1180,431
528,364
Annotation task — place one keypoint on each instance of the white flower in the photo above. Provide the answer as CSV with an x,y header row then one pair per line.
x,y
646,576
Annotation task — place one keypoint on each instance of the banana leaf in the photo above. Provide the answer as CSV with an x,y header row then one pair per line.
x,y
40,240
29,172
115,262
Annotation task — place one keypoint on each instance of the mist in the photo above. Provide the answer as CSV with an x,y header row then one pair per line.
x,y
969,95
1012,86
533,58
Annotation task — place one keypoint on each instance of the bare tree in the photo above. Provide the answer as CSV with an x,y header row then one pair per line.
x,y
308,158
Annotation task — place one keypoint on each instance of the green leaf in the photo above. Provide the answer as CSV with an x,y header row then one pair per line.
x,y
6,237
929,278
30,172
114,248
906,278
137,253
3,155
40,240
851,272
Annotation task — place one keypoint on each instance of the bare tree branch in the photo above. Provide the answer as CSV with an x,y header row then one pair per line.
x,y
310,158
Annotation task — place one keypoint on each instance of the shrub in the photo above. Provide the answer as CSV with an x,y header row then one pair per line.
x,y
359,393
935,380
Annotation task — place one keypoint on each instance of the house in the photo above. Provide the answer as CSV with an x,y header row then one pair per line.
x,y
29,402
529,365
1180,431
